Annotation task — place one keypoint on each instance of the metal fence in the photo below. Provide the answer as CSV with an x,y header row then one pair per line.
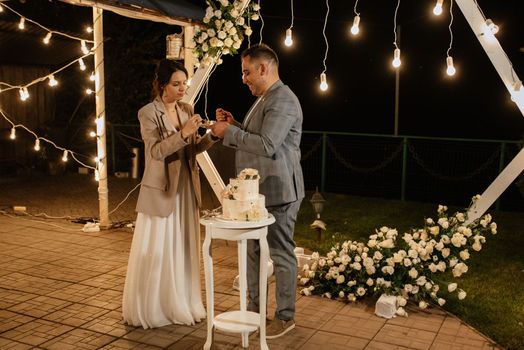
x,y
438,170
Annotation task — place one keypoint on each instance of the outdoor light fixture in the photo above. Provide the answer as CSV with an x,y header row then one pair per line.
x,y
82,64
289,38
47,38
24,94
396,58
64,156
52,80
451,69
174,47
323,82
318,205
21,24
37,145
13,133
437,10
83,45
89,91
354,28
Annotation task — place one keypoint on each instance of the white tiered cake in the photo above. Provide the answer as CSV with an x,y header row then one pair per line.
x,y
241,200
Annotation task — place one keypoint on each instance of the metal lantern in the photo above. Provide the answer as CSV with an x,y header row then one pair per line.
x,y
318,202
174,47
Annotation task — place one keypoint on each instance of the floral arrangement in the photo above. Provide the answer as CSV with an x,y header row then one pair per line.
x,y
405,267
225,25
248,174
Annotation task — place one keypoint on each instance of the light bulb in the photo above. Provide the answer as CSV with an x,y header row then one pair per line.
x,y
396,58
85,50
89,91
493,28
92,134
437,10
82,64
323,82
354,28
289,38
64,156
37,145
89,29
1,8
451,69
47,38
97,175
96,160
24,94
52,80
21,24
13,133
92,77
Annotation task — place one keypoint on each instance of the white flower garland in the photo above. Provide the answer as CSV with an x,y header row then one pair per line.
x,y
404,267
225,26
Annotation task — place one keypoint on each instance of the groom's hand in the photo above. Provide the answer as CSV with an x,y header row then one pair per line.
x,y
219,129
222,115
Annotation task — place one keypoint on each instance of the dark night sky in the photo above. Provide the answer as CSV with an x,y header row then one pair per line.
x,y
474,104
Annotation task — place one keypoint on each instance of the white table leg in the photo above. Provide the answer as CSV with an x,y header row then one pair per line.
x,y
264,257
242,279
208,272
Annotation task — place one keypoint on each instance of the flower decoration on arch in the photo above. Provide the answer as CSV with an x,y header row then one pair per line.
x,y
226,23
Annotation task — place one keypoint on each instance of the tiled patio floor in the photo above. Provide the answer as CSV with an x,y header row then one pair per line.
x,y
61,288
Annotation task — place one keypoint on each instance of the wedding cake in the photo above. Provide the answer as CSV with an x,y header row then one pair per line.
x,y
241,200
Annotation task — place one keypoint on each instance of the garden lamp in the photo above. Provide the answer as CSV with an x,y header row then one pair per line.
x,y
318,205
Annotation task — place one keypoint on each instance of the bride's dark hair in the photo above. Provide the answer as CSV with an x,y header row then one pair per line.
x,y
164,70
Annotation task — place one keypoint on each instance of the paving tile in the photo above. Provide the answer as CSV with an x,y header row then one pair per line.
x,y
295,339
419,320
31,284
334,341
7,344
375,345
10,320
354,326
106,281
162,337
107,299
126,344
76,293
221,341
405,337
76,314
19,265
314,312
110,323
9,297
39,306
78,339
36,332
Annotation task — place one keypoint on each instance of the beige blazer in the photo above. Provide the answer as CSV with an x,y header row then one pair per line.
x,y
165,150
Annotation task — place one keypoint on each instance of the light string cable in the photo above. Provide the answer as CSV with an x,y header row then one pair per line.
x,y
323,79
261,22
356,20
2,3
396,53
38,138
207,89
450,70
42,78
125,199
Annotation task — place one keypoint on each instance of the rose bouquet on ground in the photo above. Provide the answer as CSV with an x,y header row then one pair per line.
x,y
225,25
404,266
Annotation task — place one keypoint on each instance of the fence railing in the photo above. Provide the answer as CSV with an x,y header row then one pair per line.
x,y
447,170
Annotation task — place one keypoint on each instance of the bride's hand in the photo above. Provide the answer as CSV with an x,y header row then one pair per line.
x,y
191,126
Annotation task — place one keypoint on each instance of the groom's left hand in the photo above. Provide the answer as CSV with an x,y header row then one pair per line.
x,y
219,129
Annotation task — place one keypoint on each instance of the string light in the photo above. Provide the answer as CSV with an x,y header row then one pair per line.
x,y
92,133
52,80
21,24
47,38
493,28
83,45
396,54
450,70
37,144
82,64
437,10
64,156
289,33
323,77
1,8
12,136
24,93
89,91
89,29
356,20
92,77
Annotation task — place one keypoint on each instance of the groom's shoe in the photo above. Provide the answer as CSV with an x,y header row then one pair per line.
x,y
278,328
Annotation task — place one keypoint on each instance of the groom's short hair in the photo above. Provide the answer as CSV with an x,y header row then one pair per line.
x,y
261,51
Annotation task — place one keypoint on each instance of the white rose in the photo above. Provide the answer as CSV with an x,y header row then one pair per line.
x,y
445,252
452,287
224,2
413,273
464,255
206,19
428,285
401,312
218,23
401,301
218,14
460,217
430,221
361,291
369,282
305,291
211,32
462,295
256,7
407,262
340,279
255,16
493,227
234,13
222,35
422,304
476,246
442,208
352,297
441,301
248,31
434,230
232,31
388,243
304,280
311,274
240,21
205,47
372,243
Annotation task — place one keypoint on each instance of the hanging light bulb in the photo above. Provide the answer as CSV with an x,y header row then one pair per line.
x,y
92,77
89,91
47,38
289,37
323,82
52,80
64,156
451,69
437,10
493,28
12,136
85,50
82,64
354,28
396,58
1,8
92,133
97,175
21,24
89,29
24,93
37,144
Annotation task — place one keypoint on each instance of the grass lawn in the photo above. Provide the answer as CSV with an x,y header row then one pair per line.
x,y
494,282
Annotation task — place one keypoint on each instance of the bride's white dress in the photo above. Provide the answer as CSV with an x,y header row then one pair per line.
x,y
163,276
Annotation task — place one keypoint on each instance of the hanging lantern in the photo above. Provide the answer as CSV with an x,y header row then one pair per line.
x,y
174,47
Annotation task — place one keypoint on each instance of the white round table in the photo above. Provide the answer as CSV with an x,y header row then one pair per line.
x,y
239,321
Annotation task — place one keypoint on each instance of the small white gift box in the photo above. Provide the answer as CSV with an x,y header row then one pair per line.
x,y
386,306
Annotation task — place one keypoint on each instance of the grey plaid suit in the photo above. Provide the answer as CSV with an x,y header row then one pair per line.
x,y
269,140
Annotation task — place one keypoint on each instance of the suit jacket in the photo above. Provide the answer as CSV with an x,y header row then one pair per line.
x,y
269,141
165,150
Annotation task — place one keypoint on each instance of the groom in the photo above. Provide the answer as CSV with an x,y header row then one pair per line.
x,y
268,140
